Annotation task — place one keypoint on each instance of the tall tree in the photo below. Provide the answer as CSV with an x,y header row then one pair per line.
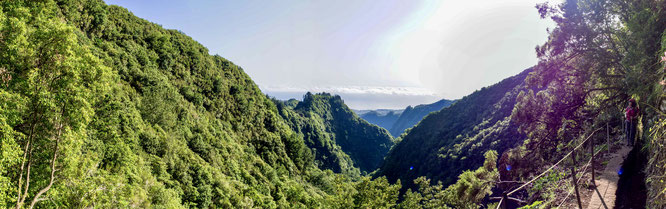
x,y
601,53
55,81
584,69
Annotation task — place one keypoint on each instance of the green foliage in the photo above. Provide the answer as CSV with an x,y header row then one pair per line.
x,y
55,82
377,193
413,115
656,168
344,197
339,140
139,116
534,205
600,54
10,153
467,192
103,109
136,116
544,188
447,142
473,186
108,110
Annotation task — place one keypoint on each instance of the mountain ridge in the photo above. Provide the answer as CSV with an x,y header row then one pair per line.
x,y
435,148
381,119
340,140
134,115
396,121
413,115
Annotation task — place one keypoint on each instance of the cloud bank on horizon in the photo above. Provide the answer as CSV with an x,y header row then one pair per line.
x,y
386,54
361,97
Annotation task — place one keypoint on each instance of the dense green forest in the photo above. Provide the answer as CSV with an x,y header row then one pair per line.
x,y
600,54
338,138
108,110
102,109
384,120
413,115
452,140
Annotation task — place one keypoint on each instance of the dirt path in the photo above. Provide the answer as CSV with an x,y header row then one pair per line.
x,y
607,182
631,189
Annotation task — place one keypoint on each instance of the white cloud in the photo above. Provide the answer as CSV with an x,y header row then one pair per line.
x,y
388,90
361,97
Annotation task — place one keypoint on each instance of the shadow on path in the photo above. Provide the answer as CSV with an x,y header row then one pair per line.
x,y
600,195
631,191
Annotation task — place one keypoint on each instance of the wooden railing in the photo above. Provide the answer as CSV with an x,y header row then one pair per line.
x,y
506,196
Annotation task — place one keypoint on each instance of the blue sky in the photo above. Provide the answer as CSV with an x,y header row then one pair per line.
x,y
375,54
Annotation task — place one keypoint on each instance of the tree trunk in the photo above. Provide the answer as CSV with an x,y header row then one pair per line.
x,y
53,162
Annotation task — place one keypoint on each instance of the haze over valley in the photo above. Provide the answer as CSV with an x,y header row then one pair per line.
x,y
332,104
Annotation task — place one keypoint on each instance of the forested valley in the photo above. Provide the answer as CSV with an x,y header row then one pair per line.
x,y
102,109
397,121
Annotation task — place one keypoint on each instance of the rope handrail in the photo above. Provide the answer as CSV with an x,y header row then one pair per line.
x,y
579,178
553,166
578,181
500,203
568,193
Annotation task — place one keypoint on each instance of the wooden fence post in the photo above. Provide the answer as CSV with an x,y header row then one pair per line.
x,y
608,139
505,197
592,160
573,178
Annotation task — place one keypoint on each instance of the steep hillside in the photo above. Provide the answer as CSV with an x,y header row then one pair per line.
x,y
102,109
412,115
599,55
339,140
384,120
99,108
447,142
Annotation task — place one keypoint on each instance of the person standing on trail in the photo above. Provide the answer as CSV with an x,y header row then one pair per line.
x,y
631,118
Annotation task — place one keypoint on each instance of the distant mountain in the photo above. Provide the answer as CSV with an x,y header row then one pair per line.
x,y
118,112
384,119
379,111
446,143
412,115
339,139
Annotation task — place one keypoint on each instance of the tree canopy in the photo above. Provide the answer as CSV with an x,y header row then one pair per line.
x,y
339,139
100,108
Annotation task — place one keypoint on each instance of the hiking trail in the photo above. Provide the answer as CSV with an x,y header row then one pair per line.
x,y
608,180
